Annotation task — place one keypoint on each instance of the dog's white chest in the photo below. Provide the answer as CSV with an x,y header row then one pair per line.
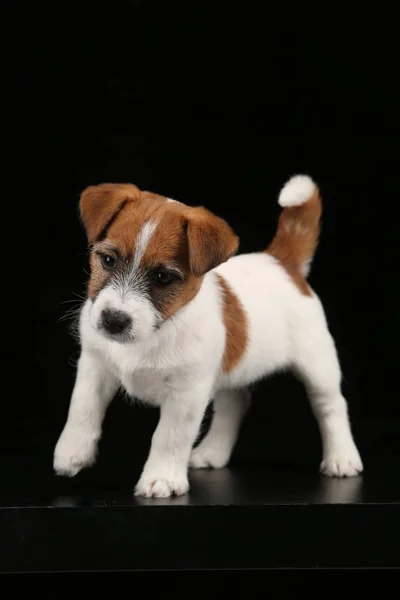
x,y
145,385
144,378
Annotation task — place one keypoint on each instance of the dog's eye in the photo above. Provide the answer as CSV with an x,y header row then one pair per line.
x,y
163,276
108,261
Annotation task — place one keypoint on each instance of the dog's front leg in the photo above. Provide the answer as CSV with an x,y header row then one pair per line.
x,y
166,470
94,389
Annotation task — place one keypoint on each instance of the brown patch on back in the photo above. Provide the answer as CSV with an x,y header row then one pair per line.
x,y
296,239
235,321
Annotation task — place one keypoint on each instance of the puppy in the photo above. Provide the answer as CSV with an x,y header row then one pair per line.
x,y
178,319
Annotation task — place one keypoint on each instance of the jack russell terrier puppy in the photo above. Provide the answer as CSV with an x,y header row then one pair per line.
x,y
178,320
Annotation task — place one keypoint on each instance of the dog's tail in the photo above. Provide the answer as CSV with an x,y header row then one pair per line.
x,y
296,239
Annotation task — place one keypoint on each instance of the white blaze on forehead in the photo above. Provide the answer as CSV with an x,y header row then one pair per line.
x,y
142,242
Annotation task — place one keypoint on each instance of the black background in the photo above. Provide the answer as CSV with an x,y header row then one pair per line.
x,y
214,105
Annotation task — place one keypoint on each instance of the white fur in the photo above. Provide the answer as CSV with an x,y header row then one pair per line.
x,y
94,389
142,242
296,191
178,368
230,406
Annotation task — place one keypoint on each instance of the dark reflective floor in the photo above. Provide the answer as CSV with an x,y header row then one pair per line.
x,y
260,512
244,486
251,479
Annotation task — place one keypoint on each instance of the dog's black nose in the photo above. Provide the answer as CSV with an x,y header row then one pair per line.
x,y
115,321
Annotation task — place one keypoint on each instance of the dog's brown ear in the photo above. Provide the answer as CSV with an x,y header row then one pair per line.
x,y
100,203
211,241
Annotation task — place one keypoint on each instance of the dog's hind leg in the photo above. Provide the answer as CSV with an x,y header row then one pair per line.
x,y
214,451
316,365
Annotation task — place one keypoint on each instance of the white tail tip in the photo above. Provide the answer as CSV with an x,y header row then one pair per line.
x,y
296,191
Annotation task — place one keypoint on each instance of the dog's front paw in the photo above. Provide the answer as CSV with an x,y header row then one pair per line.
x,y
342,464
209,456
74,451
161,485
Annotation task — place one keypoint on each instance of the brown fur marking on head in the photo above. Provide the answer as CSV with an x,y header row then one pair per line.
x,y
114,211
100,203
211,240
191,240
168,246
296,239
98,275
236,326
124,230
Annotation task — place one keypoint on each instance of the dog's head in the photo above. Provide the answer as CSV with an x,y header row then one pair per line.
x,y
148,257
